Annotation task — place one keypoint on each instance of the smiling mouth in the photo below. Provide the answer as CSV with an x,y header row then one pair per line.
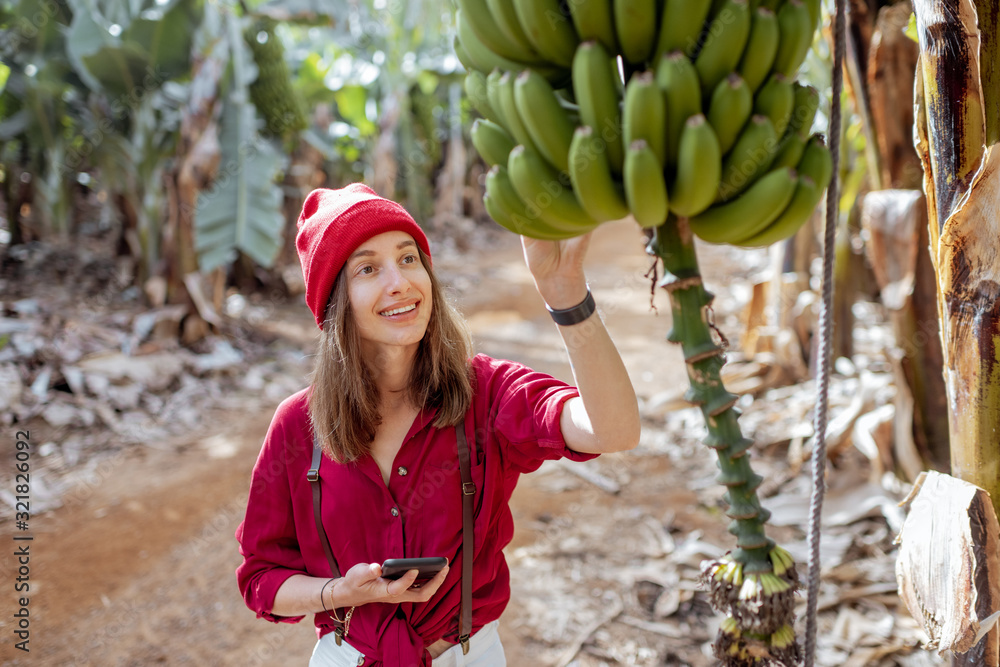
x,y
397,311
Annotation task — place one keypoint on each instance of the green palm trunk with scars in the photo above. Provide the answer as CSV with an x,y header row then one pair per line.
x,y
758,630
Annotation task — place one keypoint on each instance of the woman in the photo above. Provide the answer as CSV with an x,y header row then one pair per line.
x,y
395,396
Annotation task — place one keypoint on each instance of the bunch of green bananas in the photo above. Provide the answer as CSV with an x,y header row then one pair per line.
x,y
272,92
593,110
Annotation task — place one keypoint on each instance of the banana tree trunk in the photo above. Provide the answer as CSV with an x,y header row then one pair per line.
x,y
958,127
196,163
962,179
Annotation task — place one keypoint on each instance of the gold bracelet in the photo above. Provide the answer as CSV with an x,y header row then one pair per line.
x,y
347,621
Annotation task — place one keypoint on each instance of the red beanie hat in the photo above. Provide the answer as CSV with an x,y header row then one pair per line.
x,y
333,223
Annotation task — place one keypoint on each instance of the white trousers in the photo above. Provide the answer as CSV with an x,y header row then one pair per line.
x,y
485,650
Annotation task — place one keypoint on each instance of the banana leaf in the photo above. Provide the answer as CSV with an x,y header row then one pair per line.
x,y
129,49
243,211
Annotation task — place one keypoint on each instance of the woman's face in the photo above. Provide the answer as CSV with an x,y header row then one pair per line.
x,y
390,292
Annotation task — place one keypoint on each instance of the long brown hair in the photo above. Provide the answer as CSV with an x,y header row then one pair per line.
x,y
344,402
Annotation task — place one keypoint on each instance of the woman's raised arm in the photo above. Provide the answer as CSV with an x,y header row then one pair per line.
x,y
605,418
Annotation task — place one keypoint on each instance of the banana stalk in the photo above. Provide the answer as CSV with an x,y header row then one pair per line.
x,y
755,583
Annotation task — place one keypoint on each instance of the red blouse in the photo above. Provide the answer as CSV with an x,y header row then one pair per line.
x,y
512,426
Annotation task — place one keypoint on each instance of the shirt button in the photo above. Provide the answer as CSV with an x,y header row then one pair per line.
x,y
394,512
402,471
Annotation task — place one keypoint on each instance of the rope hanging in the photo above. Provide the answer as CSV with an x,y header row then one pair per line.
x,y
825,334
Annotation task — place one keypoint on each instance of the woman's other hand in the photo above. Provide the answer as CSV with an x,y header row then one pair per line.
x,y
364,583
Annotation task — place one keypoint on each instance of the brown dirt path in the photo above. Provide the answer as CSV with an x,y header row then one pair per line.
x,y
137,569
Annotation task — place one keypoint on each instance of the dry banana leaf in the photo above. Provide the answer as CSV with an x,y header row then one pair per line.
x,y
896,224
950,538
892,60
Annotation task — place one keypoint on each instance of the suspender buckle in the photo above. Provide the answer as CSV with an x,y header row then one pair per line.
x,y
313,474
469,488
464,640
338,636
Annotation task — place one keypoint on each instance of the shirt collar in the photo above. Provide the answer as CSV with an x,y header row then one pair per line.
x,y
423,418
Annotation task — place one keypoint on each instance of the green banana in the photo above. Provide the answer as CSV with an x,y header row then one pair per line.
x,y
816,162
729,110
644,115
479,55
508,109
463,56
762,47
547,122
509,25
724,42
794,26
507,208
698,169
749,213
680,27
803,110
595,20
677,78
776,100
539,184
645,189
482,23
491,141
510,215
635,26
501,215
804,201
815,14
493,97
596,86
475,90
789,150
750,157
595,187
548,29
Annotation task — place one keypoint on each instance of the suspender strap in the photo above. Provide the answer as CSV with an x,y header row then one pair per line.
x,y
313,477
468,545
468,494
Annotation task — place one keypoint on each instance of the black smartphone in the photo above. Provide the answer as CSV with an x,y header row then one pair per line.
x,y
394,568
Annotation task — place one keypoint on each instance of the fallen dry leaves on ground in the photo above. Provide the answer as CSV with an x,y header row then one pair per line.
x,y
607,553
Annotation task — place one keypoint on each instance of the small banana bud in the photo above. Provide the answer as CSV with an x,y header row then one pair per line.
x,y
773,584
751,587
730,626
781,560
